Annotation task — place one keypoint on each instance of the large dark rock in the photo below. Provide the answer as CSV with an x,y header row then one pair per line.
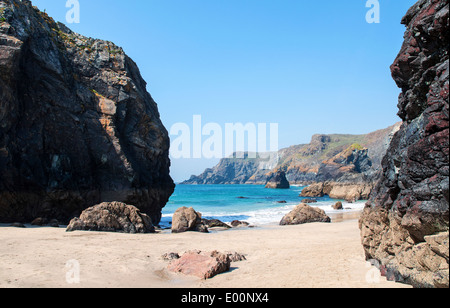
x,y
112,217
407,217
77,125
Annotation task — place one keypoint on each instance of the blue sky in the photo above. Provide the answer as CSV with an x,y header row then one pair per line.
x,y
311,66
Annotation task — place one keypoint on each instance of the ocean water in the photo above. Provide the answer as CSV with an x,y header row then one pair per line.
x,y
252,203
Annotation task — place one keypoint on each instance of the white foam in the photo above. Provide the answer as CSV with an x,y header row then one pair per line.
x,y
273,215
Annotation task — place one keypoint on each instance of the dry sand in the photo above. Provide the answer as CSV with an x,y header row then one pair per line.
x,y
311,255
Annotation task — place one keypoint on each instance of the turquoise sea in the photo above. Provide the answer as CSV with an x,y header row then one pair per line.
x,y
252,203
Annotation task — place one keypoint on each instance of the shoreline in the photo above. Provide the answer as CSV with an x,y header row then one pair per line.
x,y
251,203
311,255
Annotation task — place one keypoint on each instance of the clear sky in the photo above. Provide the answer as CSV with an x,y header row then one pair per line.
x,y
311,66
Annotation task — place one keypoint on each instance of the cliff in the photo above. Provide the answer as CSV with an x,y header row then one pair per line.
x,y
77,125
337,160
228,171
405,226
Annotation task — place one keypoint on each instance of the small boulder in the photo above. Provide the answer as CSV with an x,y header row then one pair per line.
x,y
304,213
53,223
187,219
215,223
204,265
238,223
112,217
235,256
338,206
39,222
170,256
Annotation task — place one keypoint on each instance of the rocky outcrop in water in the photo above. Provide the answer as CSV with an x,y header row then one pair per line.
x,y
77,125
278,181
405,225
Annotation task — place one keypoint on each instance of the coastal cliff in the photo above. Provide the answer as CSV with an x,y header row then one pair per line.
x,y
405,225
346,165
77,125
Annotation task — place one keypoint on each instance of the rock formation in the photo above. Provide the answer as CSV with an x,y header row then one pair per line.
x,y
204,265
349,191
406,222
303,214
77,125
338,206
215,223
112,217
228,171
278,181
187,219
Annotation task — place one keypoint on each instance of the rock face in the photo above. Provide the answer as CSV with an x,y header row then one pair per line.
x,y
349,175
228,171
204,265
187,219
112,217
303,214
77,125
405,225
340,190
278,181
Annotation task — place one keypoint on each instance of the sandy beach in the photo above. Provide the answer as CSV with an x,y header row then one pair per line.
x,y
310,255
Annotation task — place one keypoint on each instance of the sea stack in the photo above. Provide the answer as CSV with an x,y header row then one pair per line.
x,y
405,225
77,125
278,180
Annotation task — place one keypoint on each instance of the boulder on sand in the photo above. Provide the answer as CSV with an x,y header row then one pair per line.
x,y
215,223
187,219
204,265
338,206
304,213
238,223
112,217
